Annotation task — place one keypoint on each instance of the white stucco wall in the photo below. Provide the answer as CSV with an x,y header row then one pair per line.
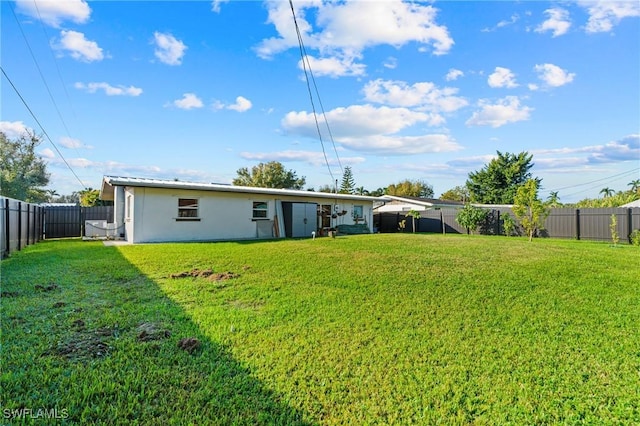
x,y
223,215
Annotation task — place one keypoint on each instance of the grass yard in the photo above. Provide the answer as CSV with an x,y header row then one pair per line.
x,y
372,329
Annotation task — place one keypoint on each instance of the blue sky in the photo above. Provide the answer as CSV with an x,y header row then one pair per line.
x,y
195,90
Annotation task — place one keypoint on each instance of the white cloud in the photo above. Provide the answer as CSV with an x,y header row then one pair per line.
x,y
570,159
188,101
47,153
605,14
108,89
169,50
506,110
504,23
553,75
79,47
334,66
453,74
502,77
216,4
242,104
372,129
625,149
402,145
68,142
314,158
14,129
423,96
558,22
391,63
54,12
355,120
344,29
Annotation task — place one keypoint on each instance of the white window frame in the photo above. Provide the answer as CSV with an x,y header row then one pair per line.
x,y
190,205
259,210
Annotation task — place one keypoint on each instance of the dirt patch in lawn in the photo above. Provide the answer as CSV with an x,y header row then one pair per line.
x,y
9,294
47,287
82,346
205,273
189,344
148,331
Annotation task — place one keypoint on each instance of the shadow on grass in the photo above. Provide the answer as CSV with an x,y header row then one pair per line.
x,y
102,344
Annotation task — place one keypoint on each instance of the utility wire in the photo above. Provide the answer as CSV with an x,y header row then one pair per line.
x,y
53,56
40,70
305,65
41,127
594,181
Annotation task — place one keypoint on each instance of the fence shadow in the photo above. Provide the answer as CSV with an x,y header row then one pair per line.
x,y
108,342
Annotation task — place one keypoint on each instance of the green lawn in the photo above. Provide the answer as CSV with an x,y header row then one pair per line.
x,y
372,329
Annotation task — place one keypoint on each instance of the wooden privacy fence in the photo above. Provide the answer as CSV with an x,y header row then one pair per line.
x,y
22,223
582,224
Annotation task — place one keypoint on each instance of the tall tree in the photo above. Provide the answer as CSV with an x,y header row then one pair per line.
x,y
410,188
530,210
459,193
498,181
23,175
635,185
269,175
348,183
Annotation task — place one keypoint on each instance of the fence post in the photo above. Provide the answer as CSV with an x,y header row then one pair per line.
x,y
629,225
7,229
28,223
577,224
19,225
444,228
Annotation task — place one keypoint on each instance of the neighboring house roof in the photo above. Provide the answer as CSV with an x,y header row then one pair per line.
x,y
635,203
402,203
109,182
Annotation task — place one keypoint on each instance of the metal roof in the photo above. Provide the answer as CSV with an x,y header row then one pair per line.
x,y
109,182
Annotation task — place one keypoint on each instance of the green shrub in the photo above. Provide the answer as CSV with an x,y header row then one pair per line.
x,y
634,237
508,224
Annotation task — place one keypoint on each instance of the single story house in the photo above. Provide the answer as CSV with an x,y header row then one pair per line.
x,y
155,210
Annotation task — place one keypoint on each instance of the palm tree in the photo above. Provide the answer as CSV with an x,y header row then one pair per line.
x,y
553,200
634,184
607,192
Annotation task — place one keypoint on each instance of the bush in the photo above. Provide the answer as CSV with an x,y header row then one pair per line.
x,y
470,217
634,237
508,224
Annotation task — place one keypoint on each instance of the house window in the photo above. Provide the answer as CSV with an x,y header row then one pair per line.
x,y
357,212
187,208
260,209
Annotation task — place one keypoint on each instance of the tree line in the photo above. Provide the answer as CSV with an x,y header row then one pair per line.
x,y
23,176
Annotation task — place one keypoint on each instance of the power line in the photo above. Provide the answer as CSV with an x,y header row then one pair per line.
x,y
305,65
597,180
41,127
40,70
